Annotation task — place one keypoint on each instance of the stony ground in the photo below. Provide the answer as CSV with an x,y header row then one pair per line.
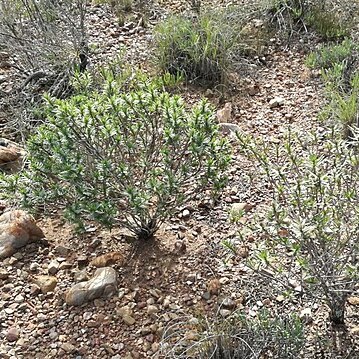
x,y
184,271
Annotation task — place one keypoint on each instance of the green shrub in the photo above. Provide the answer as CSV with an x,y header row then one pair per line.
x,y
235,338
339,67
326,23
199,48
314,215
296,15
128,154
327,56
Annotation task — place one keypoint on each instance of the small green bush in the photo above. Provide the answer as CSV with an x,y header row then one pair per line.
x,y
327,56
199,48
326,23
235,337
127,154
295,15
314,215
339,67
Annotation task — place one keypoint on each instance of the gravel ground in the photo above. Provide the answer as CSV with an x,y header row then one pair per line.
x,y
185,271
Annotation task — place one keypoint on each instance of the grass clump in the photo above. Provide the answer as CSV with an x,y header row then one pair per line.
x,y
235,337
127,154
198,48
339,68
326,23
327,56
207,46
290,16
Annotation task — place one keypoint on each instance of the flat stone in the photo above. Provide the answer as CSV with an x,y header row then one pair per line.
x,y
46,283
152,309
102,284
107,259
225,313
206,295
128,319
81,276
82,261
68,347
62,251
228,128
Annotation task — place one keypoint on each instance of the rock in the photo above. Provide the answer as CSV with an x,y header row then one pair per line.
x,y
206,295
306,315
68,347
53,267
82,261
12,334
180,247
103,283
253,89
276,102
53,335
225,114
355,330
35,290
214,286
95,243
186,214
65,265
34,267
11,156
353,300
155,347
228,128
152,309
62,251
166,303
225,313
128,319
19,299
81,276
107,259
126,314
46,283
155,293
17,228
4,274
228,303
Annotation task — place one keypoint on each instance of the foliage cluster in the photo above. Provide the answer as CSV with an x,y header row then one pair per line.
x,y
198,48
314,215
127,154
339,68
206,46
295,15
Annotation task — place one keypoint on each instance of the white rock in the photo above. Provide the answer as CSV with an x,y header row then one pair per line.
x,y
276,102
53,267
103,283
